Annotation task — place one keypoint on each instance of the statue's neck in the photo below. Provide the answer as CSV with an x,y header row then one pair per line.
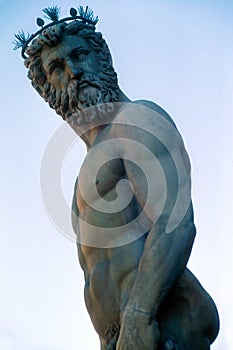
x,y
90,136
123,97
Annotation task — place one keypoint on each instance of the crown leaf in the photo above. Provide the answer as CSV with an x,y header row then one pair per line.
x,y
52,13
87,14
20,39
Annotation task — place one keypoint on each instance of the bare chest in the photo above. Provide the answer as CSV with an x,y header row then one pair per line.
x,y
99,178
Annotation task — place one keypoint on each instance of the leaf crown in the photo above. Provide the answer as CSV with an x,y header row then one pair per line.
x,y
52,13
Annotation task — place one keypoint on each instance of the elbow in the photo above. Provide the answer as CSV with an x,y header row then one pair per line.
x,y
185,235
191,231
187,226
188,233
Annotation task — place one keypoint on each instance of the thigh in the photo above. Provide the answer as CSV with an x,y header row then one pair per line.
x,y
188,316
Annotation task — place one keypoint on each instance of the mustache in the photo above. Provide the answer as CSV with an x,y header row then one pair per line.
x,y
83,93
84,82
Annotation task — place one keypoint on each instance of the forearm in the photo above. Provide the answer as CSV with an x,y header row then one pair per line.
x,y
163,261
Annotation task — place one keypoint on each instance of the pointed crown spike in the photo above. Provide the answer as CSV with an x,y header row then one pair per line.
x,y
87,14
52,13
20,39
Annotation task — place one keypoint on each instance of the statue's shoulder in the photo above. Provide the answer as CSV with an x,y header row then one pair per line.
x,y
156,108
147,116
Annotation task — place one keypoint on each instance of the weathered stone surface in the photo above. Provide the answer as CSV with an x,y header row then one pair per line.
x,y
138,291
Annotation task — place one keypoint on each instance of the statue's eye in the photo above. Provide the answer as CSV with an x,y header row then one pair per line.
x,y
80,54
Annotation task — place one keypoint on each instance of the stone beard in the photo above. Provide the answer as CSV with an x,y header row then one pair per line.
x,y
88,91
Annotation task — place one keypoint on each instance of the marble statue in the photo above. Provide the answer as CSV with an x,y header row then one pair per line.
x,y
138,292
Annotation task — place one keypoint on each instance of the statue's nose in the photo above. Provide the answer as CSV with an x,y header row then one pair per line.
x,y
73,71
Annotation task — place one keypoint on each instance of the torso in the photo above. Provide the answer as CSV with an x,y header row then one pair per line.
x,y
109,272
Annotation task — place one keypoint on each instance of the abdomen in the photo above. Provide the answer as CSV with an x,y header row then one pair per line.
x,y
109,277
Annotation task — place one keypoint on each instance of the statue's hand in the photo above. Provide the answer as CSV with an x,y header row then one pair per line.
x,y
138,332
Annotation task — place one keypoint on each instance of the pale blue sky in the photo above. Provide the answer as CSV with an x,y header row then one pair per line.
x,y
178,54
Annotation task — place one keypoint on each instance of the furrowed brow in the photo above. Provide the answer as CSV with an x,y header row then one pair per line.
x,y
78,48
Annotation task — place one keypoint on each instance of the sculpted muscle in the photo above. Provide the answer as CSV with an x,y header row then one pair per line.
x,y
132,209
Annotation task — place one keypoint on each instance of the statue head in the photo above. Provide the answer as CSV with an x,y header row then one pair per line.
x,y
70,66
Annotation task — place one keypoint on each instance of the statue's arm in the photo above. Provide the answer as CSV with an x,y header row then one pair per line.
x,y
163,261
74,211
165,254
